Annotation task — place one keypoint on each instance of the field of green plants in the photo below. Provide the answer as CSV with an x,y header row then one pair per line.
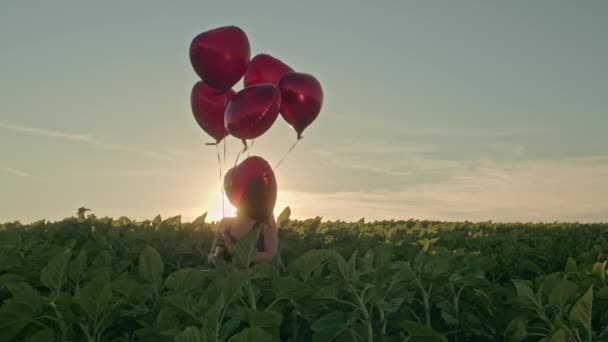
x,y
101,279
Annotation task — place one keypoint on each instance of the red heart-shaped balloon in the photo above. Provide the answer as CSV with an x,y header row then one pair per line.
x,y
252,111
301,100
220,56
208,109
251,187
264,68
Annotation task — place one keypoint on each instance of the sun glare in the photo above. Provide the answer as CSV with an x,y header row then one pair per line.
x,y
216,210
218,206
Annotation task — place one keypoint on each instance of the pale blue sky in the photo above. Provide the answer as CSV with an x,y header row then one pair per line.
x,y
433,109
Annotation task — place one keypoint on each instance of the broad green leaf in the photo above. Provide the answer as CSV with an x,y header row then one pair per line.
x,y
516,330
212,314
562,292
190,334
285,287
307,263
151,266
581,312
448,313
185,280
341,266
230,327
157,220
419,332
25,294
558,336
393,304
328,326
54,275
246,248
382,255
368,261
124,285
9,278
571,266
404,273
78,266
233,284
283,217
352,264
524,291
45,335
199,221
264,319
599,270
95,296
251,335
167,318
603,293
14,317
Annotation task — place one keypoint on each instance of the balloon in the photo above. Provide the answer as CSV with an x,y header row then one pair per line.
x,y
220,56
301,100
264,68
252,111
208,109
251,187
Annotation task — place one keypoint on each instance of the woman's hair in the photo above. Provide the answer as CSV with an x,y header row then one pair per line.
x,y
256,201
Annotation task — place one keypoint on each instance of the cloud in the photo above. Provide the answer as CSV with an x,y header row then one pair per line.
x,y
15,172
46,133
95,142
570,189
371,147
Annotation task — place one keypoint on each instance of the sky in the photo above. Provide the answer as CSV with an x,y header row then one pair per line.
x,y
445,110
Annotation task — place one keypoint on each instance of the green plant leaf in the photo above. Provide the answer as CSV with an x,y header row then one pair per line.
x,y
25,294
286,287
599,270
151,266
264,319
54,275
95,296
559,336
571,266
328,326
125,285
190,334
581,311
562,292
245,249
283,217
185,280
14,317
308,263
44,335
251,335
516,330
78,266
419,332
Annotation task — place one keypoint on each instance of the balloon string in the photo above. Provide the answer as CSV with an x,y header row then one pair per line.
x,y
224,150
239,154
249,149
219,163
286,154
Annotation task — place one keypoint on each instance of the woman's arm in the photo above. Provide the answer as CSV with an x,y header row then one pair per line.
x,y
271,241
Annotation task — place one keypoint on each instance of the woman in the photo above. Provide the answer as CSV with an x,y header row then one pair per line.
x,y
232,229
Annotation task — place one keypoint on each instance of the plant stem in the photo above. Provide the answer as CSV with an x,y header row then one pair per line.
x,y
251,296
